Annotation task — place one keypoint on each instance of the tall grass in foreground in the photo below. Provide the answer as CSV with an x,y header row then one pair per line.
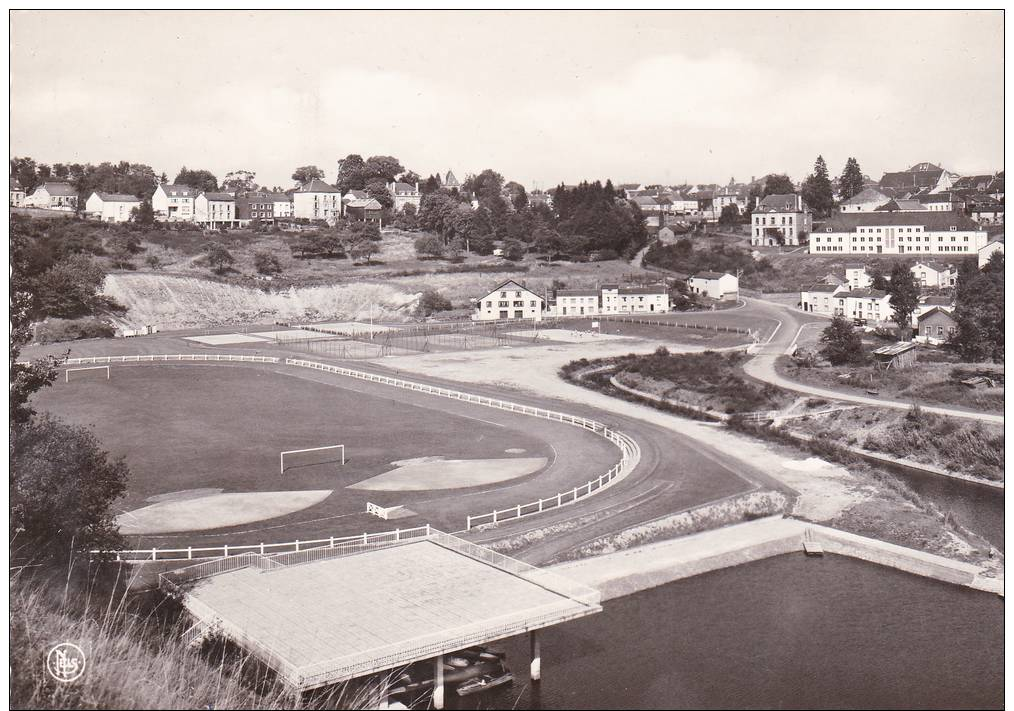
x,y
134,655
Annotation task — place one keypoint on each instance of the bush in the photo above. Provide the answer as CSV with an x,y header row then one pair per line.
x,y
429,246
267,263
56,330
432,301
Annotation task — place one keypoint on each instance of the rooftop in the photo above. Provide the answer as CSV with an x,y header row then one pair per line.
x,y
117,197
316,186
894,349
930,220
708,275
64,189
358,609
778,203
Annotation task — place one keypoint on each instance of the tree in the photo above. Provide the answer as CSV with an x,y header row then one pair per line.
x,y
197,179
267,263
385,168
351,173
218,257
431,301
407,218
850,183
778,185
514,250
429,246
729,216
904,293
70,288
410,176
154,262
62,489
240,181
23,170
306,173
817,190
376,188
979,311
516,195
143,214
26,378
842,344
363,249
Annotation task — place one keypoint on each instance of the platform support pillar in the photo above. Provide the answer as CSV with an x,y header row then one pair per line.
x,y
536,668
438,683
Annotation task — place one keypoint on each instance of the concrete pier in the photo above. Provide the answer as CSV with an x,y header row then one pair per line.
x,y
536,668
438,682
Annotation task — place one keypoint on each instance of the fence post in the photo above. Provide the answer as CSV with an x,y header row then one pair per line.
x,y
519,511
297,545
190,553
397,534
153,554
332,542
262,548
468,524
494,515
225,550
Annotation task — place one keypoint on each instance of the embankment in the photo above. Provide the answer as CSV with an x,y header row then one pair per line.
x,y
172,302
635,569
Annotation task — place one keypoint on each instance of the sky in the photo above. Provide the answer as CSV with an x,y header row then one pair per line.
x,y
541,97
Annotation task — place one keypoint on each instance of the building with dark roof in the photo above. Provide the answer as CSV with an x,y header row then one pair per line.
x,y
318,201
111,207
53,196
781,220
920,233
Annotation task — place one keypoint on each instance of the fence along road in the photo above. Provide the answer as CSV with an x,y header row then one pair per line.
x,y
630,453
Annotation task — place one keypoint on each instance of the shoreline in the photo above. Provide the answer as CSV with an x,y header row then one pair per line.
x,y
643,567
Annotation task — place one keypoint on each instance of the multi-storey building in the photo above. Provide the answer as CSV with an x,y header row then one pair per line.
x,y
174,203
916,233
509,301
316,200
405,194
781,220
215,210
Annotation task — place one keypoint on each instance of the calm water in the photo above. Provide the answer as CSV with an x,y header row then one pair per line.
x,y
787,632
978,508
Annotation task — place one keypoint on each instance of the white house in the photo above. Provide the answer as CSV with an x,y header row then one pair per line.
x,y
17,194
857,277
215,210
927,303
174,203
918,233
940,202
714,285
111,207
685,204
53,196
577,302
611,299
866,200
864,305
781,220
934,274
987,250
405,194
821,298
316,200
282,204
510,300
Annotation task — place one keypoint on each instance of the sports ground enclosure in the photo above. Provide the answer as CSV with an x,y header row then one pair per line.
x,y
203,440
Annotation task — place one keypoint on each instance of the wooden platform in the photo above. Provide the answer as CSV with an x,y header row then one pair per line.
x,y
326,621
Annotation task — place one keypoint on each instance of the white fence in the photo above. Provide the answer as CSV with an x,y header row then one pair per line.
x,y
630,454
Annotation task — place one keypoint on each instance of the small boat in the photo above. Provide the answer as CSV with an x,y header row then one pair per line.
x,y
484,683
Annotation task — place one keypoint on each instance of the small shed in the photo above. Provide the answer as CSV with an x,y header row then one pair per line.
x,y
898,355
367,210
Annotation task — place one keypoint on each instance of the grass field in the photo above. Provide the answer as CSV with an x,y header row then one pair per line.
x,y
212,427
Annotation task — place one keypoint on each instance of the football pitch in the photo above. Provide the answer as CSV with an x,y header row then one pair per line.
x,y
203,442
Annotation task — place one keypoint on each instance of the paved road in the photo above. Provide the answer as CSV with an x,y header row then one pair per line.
x,y
762,365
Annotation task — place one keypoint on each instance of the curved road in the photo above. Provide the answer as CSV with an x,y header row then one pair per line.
x,y
762,365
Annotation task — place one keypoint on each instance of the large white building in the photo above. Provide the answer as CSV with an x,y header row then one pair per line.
x,y
780,220
917,233
316,200
509,301
866,200
111,207
53,196
821,298
174,203
215,210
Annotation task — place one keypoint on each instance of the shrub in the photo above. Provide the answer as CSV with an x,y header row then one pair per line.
x,y
267,263
56,330
432,301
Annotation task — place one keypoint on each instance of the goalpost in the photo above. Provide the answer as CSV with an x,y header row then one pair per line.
x,y
93,367
281,456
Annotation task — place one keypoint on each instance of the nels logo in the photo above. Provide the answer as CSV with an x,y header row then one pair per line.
x,y
65,662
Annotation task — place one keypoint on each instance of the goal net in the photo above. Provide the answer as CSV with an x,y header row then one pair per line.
x,y
293,458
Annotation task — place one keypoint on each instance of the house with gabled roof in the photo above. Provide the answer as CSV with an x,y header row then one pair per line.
x,y
509,301
900,205
865,201
53,196
17,193
933,274
989,249
174,203
317,200
820,298
920,176
935,326
781,220
214,210
404,194
111,207
715,285
365,210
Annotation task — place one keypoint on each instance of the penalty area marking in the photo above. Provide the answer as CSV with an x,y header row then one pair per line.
x,y
281,456
67,372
